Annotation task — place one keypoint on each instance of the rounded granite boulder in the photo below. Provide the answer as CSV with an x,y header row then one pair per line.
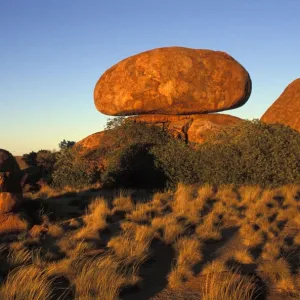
x,y
173,80
10,173
9,202
286,109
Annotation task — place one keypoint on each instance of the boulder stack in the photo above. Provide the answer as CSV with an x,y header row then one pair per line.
x,y
286,109
174,88
10,194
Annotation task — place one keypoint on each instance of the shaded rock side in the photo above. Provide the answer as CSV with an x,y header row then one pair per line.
x,y
9,202
10,173
191,128
7,162
286,109
173,80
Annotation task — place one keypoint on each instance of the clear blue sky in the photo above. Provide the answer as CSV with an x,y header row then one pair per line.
x,y
53,52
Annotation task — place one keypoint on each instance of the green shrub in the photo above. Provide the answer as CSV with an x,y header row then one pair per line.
x,y
72,170
251,152
177,161
130,162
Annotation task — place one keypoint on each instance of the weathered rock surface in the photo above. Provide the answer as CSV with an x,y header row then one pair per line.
x,y
173,80
13,223
7,162
191,128
10,173
91,142
286,109
9,202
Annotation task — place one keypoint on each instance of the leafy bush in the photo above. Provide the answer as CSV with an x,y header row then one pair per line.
x,y
130,162
251,152
72,170
177,161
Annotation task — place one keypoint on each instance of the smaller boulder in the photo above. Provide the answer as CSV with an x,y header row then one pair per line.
x,y
10,173
13,223
9,202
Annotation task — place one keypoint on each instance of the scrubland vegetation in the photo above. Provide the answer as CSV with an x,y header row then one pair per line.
x,y
136,155
147,216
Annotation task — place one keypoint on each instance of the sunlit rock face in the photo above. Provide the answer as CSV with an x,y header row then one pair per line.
x,y
90,143
174,81
286,109
191,128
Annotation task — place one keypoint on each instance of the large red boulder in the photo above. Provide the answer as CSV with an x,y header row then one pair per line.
x,y
286,109
173,80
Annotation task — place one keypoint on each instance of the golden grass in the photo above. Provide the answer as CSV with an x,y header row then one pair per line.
x,y
128,249
123,204
243,256
102,278
249,194
210,228
27,283
278,273
227,286
140,213
192,220
94,220
216,266
270,251
171,228
188,251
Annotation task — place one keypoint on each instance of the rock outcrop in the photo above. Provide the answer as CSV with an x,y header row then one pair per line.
x,y
190,128
173,80
175,88
10,173
91,142
13,223
10,195
9,202
286,109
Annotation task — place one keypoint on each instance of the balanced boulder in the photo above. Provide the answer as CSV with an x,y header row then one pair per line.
x,y
286,109
173,80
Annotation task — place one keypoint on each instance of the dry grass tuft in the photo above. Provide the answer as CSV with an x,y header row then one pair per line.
x,y
102,278
210,228
95,220
227,286
129,250
123,204
188,254
170,227
27,283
